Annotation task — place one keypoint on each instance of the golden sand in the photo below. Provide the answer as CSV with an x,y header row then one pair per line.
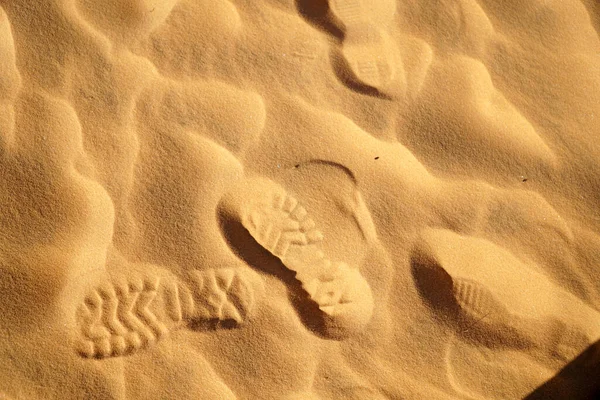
x,y
297,199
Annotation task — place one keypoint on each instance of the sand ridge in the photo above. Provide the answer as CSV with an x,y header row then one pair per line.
x,y
296,199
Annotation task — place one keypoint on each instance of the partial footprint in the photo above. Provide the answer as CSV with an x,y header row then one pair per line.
x,y
276,220
116,319
369,61
131,313
367,47
475,300
225,297
350,13
493,299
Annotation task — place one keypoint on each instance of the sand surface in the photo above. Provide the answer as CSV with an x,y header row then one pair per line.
x,y
297,199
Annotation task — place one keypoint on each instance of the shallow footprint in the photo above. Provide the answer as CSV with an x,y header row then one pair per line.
x,y
120,317
365,58
222,297
372,59
493,299
282,226
132,312
520,374
353,12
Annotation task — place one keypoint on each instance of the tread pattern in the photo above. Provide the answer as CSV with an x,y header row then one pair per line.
x,y
370,69
221,295
129,314
368,54
349,11
476,300
280,224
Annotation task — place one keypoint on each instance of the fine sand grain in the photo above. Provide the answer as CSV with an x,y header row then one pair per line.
x,y
297,199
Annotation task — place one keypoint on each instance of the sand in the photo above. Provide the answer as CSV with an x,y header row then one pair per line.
x,y
297,199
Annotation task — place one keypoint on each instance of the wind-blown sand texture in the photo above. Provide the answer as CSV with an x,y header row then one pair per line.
x,y
297,199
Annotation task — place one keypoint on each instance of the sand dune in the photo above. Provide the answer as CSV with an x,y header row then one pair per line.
x,y
296,199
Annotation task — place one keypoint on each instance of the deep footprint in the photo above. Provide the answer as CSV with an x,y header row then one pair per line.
x,y
132,313
281,225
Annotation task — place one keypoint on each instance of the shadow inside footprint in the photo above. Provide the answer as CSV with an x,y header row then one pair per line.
x,y
434,284
343,71
318,14
439,290
212,325
486,311
257,257
250,251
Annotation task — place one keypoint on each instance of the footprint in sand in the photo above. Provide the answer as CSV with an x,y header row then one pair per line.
x,y
281,225
493,300
130,313
368,59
